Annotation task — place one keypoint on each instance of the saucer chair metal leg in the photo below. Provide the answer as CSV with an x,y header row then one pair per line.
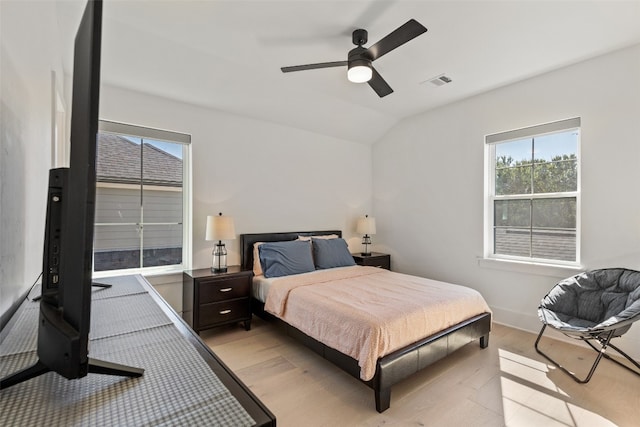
x,y
622,353
603,341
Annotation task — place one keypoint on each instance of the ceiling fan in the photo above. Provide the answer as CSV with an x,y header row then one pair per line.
x,y
359,68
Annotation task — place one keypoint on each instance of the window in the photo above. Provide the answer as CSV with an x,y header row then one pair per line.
x,y
142,199
533,195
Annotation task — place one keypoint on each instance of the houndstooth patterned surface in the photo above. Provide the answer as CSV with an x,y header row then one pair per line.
x,y
124,315
27,319
139,312
177,388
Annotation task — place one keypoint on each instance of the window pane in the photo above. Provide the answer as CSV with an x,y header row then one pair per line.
x,y
554,213
117,204
512,227
556,168
162,163
550,147
118,179
513,167
162,182
118,159
116,247
512,213
162,245
517,151
162,203
512,241
554,232
554,244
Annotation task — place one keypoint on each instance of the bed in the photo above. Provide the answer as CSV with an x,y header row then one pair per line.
x,y
390,364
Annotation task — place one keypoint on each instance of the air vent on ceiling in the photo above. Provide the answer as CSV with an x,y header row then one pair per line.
x,y
440,80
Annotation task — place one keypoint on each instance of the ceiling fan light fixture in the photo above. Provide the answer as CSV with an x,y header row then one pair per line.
x,y
359,71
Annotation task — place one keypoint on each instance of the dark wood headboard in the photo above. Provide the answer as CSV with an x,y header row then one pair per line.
x,y
247,241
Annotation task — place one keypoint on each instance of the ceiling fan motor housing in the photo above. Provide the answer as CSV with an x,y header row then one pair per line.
x,y
359,37
359,65
359,53
358,57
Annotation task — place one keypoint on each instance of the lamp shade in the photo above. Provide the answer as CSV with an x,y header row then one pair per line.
x,y
366,225
220,227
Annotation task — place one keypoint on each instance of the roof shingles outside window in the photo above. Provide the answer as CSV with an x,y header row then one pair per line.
x,y
118,161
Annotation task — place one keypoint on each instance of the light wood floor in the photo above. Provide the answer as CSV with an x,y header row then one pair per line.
x,y
506,384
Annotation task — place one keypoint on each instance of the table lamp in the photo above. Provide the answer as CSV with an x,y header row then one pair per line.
x,y
220,228
366,226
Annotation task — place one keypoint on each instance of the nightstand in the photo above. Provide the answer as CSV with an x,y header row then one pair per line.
x,y
376,259
214,299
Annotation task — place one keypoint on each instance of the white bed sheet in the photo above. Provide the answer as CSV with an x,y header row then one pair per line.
x,y
260,287
261,284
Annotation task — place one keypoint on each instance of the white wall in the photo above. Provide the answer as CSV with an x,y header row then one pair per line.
x,y
29,52
429,172
267,176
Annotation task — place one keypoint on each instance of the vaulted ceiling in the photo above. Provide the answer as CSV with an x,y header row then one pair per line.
x,y
227,55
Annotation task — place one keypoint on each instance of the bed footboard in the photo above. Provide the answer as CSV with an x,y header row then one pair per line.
x,y
405,362
402,363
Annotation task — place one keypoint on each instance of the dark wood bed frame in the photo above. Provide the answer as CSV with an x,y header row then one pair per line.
x,y
391,368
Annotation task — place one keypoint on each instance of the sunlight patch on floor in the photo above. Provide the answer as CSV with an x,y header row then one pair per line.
x,y
530,398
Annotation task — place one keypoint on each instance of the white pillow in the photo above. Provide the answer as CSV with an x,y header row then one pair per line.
x,y
326,236
257,267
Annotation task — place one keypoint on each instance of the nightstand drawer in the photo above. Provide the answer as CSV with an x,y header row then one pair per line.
x,y
224,312
224,289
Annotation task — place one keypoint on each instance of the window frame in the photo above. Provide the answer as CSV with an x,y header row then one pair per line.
x,y
137,131
491,141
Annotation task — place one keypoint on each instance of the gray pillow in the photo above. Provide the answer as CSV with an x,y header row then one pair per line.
x,y
285,258
330,253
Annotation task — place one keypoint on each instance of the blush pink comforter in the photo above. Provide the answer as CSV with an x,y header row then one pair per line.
x,y
368,312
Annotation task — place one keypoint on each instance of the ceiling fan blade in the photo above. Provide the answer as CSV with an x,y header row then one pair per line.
x,y
378,84
314,66
406,32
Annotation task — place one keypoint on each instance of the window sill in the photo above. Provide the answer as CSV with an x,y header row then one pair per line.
x,y
540,269
148,271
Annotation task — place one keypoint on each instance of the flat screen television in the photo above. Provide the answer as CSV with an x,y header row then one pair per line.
x,y
65,305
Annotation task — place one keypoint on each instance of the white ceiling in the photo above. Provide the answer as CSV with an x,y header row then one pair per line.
x,y
227,55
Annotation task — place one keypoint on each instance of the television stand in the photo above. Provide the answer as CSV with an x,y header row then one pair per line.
x,y
100,285
110,368
95,366
62,339
94,284
26,374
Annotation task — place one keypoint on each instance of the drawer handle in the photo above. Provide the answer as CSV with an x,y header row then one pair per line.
x,y
225,312
225,289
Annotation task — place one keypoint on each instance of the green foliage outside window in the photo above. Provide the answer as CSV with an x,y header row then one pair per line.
x,y
534,177
537,176
540,176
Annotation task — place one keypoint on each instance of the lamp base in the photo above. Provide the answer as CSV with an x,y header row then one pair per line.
x,y
219,270
365,253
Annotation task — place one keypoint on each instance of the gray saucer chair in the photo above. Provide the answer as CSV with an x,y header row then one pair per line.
x,y
595,307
